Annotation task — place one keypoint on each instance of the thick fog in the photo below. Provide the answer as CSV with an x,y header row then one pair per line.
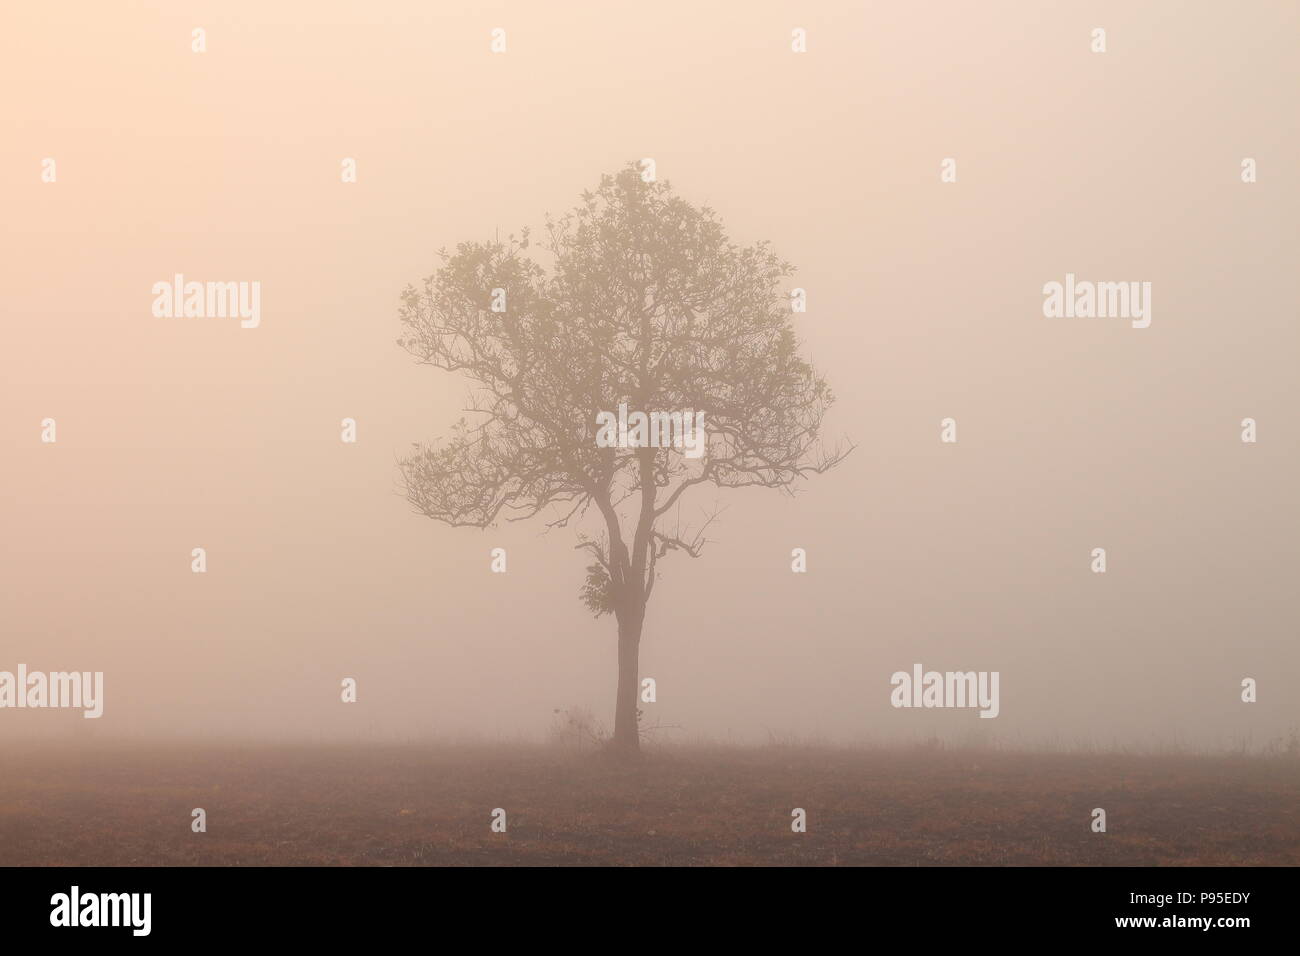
x,y
925,302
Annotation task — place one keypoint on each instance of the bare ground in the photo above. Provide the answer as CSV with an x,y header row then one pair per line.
x,y
431,805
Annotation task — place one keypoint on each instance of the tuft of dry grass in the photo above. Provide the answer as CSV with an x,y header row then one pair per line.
x,y
431,805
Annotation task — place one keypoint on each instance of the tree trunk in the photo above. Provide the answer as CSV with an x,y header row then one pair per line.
x,y
627,737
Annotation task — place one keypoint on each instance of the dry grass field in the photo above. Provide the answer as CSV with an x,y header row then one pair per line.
x,y
418,805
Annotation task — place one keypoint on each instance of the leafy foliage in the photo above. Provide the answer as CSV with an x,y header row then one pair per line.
x,y
596,594
645,301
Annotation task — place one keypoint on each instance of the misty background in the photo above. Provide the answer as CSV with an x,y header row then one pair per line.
x,y
924,302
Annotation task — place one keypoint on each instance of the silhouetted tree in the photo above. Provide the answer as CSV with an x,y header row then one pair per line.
x,y
644,301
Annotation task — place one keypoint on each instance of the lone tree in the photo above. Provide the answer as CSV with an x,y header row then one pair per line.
x,y
645,302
